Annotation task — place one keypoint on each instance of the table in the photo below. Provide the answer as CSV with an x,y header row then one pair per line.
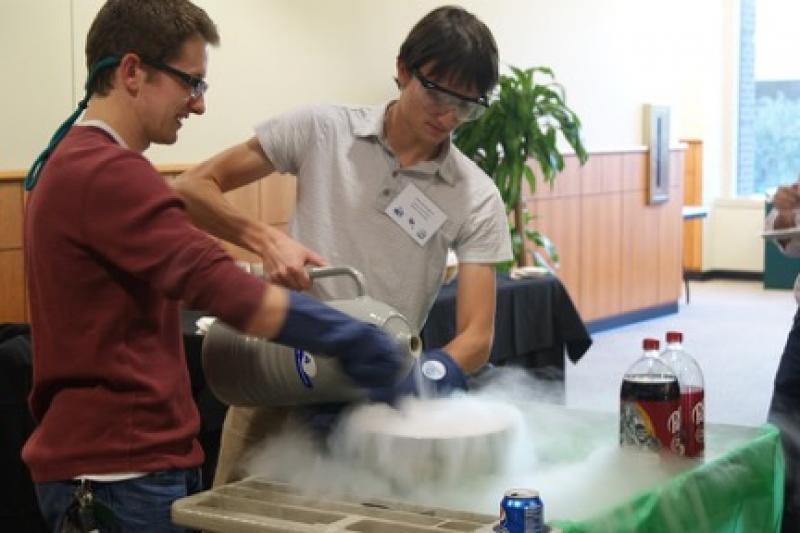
x,y
690,212
737,488
739,492
587,483
536,323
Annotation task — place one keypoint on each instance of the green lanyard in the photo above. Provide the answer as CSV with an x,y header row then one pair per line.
x,y
33,174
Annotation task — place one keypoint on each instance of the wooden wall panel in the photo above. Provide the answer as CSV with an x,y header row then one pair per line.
x,y
693,196
554,211
602,174
278,198
693,245
567,183
12,287
670,272
12,279
640,251
601,255
619,254
10,215
555,217
693,172
634,172
270,200
596,215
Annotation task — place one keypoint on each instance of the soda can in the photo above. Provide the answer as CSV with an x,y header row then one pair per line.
x,y
522,511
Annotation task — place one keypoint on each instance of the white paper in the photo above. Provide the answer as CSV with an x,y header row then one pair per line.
x,y
783,233
416,214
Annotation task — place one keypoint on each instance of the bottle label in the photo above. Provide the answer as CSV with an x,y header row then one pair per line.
x,y
651,425
693,416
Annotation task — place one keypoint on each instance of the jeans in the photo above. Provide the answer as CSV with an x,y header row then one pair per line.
x,y
784,412
139,504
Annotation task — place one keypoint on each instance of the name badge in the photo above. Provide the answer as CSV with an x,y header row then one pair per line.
x,y
416,214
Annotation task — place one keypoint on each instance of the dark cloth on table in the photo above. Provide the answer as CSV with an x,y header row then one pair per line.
x,y
535,324
19,510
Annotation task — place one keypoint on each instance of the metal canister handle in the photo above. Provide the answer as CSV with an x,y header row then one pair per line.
x,y
331,271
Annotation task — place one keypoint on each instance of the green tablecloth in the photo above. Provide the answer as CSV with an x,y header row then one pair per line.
x,y
740,491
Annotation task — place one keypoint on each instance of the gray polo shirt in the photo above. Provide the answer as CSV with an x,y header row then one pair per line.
x,y
346,177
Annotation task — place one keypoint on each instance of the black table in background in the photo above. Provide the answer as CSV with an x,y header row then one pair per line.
x,y
536,325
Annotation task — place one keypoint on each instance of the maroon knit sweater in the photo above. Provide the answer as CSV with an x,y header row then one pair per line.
x,y
109,252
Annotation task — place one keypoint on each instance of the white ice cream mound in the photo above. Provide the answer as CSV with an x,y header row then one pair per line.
x,y
434,440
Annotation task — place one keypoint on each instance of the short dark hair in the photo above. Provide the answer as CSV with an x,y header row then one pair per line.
x,y
458,45
153,29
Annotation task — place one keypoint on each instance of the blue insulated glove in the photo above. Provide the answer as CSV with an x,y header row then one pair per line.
x,y
440,375
365,352
321,418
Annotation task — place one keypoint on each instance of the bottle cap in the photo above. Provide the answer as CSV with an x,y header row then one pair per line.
x,y
674,336
650,344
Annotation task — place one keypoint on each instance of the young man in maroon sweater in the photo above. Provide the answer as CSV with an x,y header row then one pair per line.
x,y
109,253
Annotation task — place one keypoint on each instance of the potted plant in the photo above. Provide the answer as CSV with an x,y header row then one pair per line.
x,y
522,123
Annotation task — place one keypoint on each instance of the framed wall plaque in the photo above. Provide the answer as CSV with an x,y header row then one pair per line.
x,y
656,130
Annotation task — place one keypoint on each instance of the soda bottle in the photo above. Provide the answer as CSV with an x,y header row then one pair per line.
x,y
649,406
690,380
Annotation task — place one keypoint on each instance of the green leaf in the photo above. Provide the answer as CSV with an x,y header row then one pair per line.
x,y
531,179
527,116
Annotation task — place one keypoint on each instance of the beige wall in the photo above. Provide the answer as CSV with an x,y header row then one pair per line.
x,y
35,76
613,57
736,226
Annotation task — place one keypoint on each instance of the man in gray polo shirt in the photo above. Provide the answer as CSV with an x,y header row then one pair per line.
x,y
384,190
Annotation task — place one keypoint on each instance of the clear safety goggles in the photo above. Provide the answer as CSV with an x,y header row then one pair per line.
x,y
466,108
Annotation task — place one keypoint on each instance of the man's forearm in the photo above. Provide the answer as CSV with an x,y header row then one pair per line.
x,y
270,315
475,303
202,189
471,350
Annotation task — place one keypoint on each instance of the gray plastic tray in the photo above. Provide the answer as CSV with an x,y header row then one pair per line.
x,y
255,505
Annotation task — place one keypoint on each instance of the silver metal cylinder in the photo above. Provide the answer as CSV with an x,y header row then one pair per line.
x,y
252,371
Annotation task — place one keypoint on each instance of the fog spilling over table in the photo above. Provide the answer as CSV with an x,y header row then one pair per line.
x,y
573,459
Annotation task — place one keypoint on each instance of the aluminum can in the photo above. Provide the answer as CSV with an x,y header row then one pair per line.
x,y
522,511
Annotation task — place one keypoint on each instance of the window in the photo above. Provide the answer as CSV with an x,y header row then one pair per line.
x,y
769,96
